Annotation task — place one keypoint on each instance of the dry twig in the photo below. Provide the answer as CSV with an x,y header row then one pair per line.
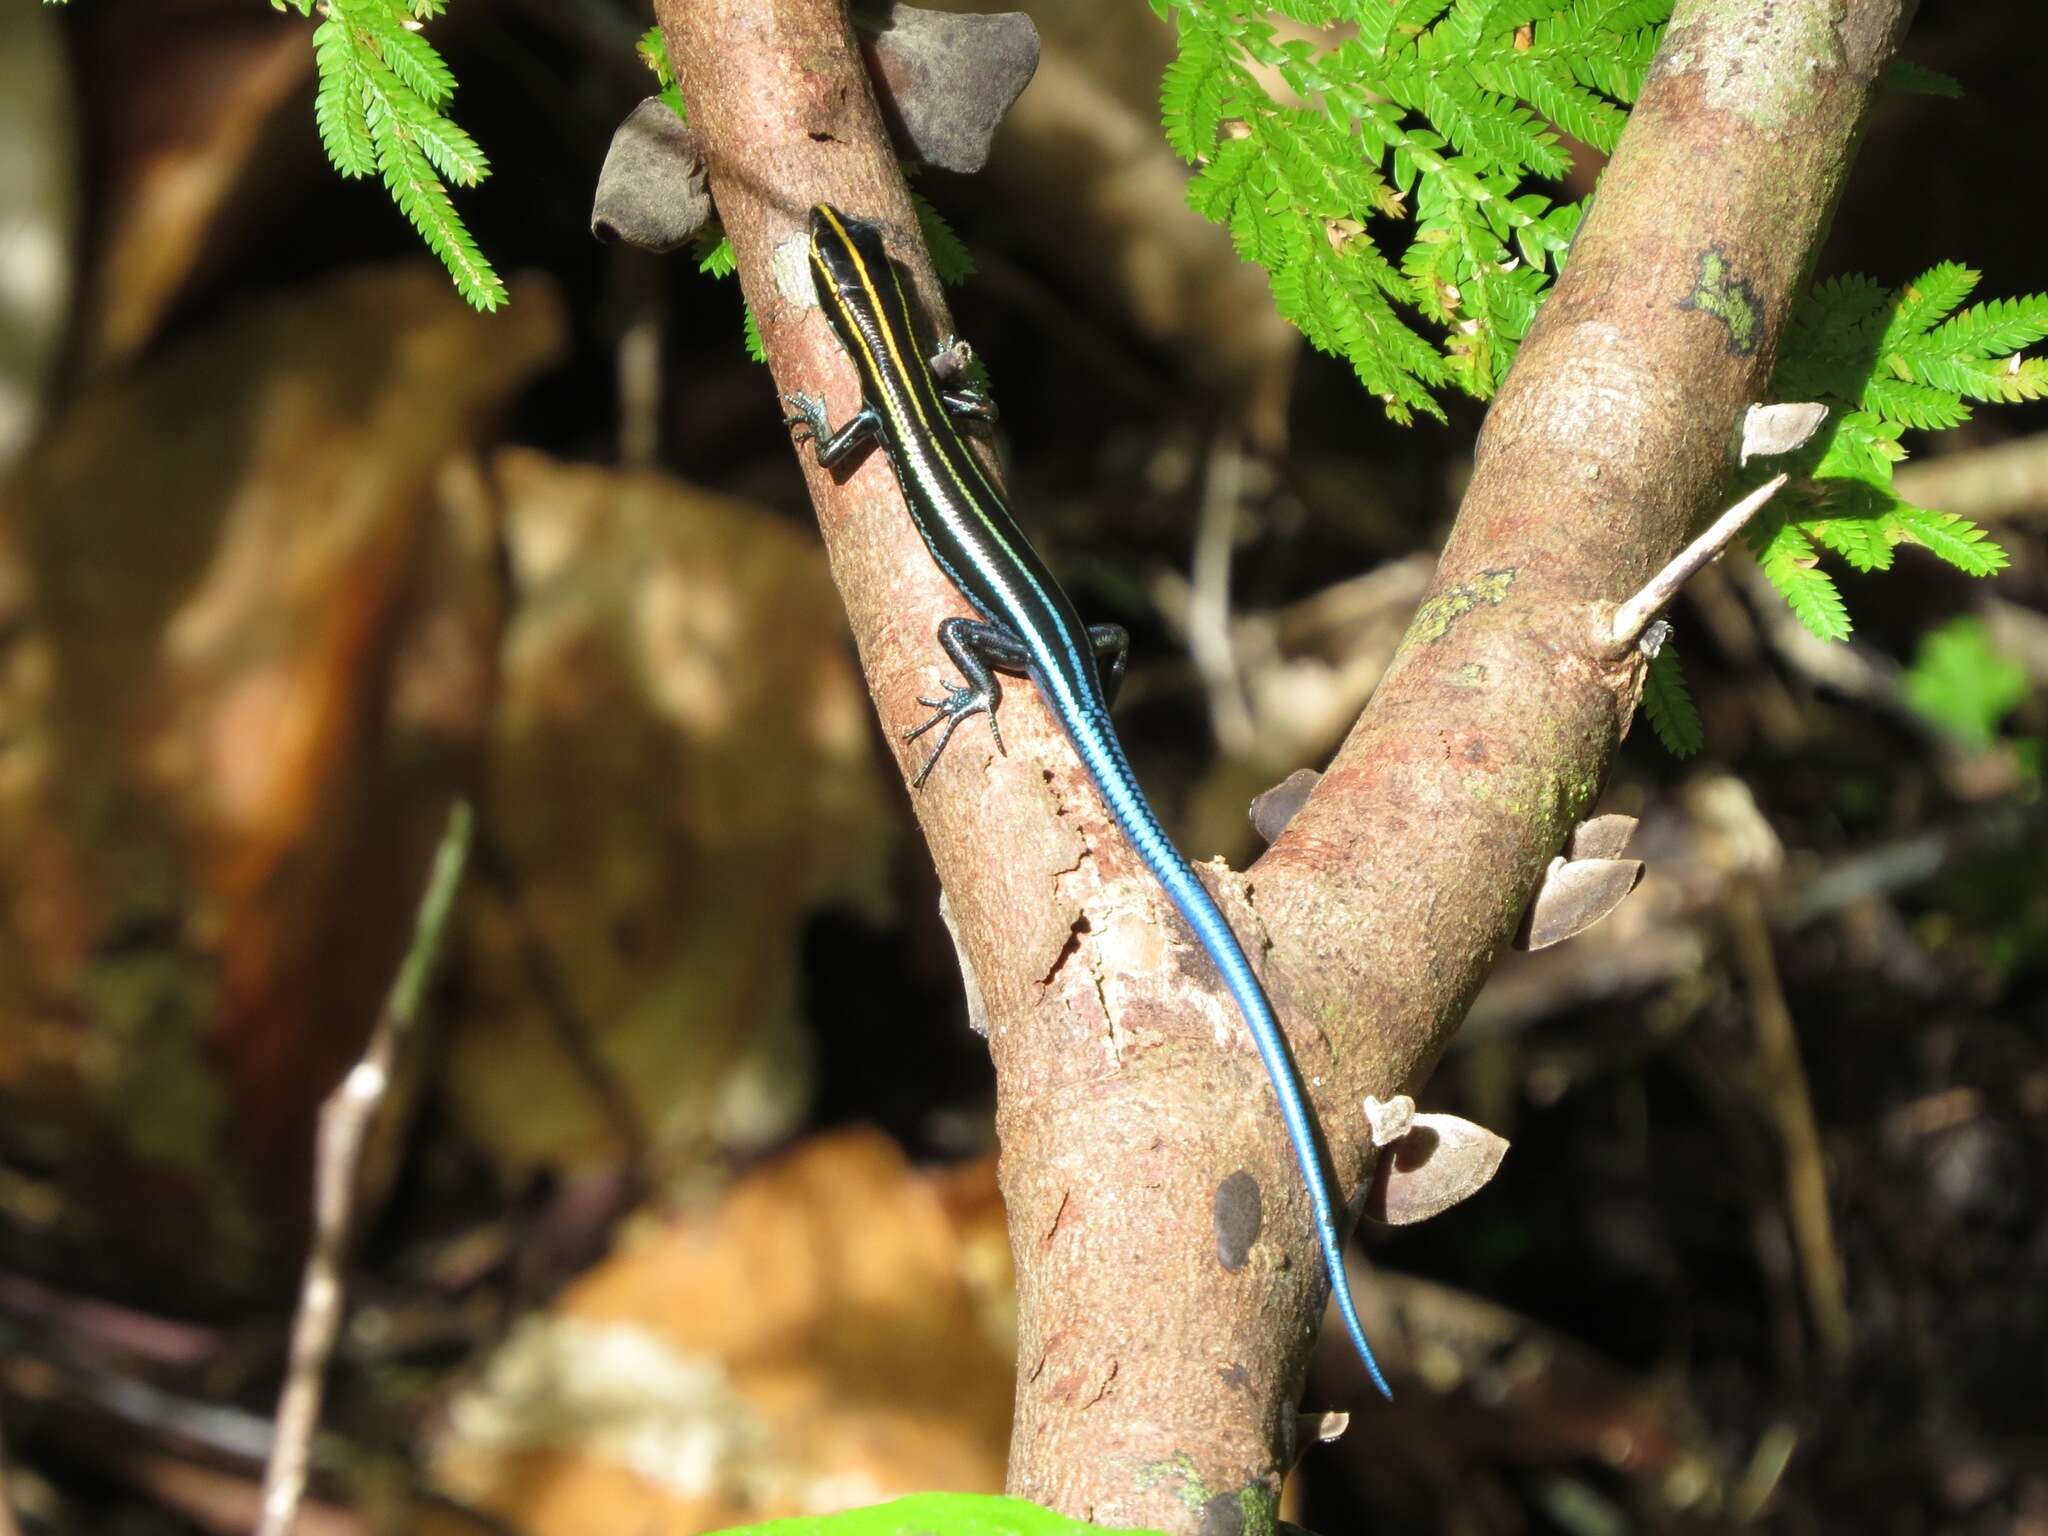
x,y
1791,1103
1633,616
345,1121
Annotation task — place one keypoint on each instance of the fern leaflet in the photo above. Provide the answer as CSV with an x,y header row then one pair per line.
x,y
1886,361
1419,129
378,107
1669,706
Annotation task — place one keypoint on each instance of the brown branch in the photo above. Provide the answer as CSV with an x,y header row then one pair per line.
x,y
345,1121
1153,1382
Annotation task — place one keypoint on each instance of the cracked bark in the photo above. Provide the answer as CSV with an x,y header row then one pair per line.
x,y
1153,1381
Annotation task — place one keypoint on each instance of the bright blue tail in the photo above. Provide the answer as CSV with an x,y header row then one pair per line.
x,y
1105,760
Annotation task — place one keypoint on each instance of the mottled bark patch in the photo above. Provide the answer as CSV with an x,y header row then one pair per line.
x,y
1762,63
1222,1515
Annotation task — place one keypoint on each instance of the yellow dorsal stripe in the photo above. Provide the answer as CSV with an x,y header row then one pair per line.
x,y
940,448
906,381
946,450
839,302
888,331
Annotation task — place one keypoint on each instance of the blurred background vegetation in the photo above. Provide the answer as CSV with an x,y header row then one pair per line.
x,y
684,1213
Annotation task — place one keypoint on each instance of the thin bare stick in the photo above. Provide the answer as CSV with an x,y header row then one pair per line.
x,y
1209,597
344,1126
1784,1079
1634,616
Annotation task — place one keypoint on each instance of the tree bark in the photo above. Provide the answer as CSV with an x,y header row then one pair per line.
x,y
1156,1386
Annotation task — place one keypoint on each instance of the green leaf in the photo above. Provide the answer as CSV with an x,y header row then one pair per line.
x,y
409,176
1927,300
653,51
1669,705
1918,80
1993,329
1789,561
1578,111
751,332
718,259
1887,361
1915,405
453,153
338,104
418,63
1192,94
377,109
1861,540
950,257
1433,114
933,1514
1957,540
1961,684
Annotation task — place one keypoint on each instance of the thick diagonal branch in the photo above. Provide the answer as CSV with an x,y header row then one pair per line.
x,y
1494,729
1168,1286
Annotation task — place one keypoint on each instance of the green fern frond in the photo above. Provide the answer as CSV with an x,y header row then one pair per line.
x,y
1863,541
1582,113
417,63
653,51
1955,539
1963,684
1912,79
950,257
451,151
337,104
1192,93
719,259
1885,361
1413,16
1668,705
1993,329
1791,564
1915,405
410,178
1858,446
378,108
1987,379
1430,114
1927,300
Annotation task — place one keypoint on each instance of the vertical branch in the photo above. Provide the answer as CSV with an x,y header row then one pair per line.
x,y
345,1121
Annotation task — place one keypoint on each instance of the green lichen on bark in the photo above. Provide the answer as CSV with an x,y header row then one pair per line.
x,y
1433,620
1728,299
1252,1509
